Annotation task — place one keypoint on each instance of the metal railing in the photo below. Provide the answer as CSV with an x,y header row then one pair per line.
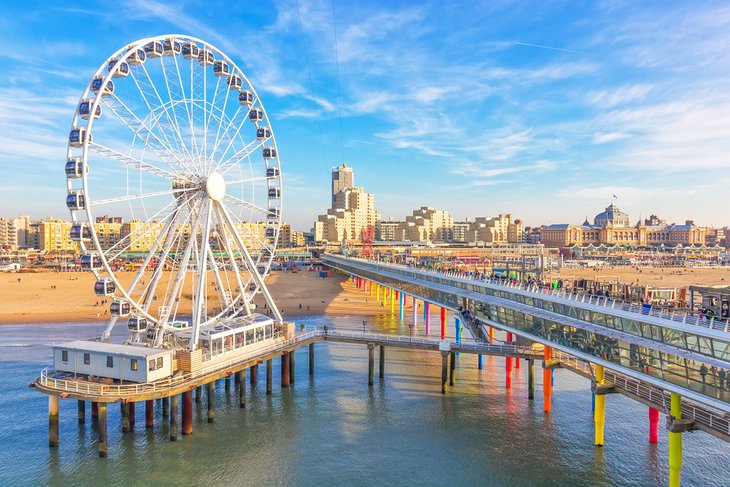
x,y
715,420
579,297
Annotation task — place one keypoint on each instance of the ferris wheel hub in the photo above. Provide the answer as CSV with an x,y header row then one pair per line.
x,y
215,186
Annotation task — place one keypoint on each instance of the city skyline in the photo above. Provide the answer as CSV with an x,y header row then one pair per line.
x,y
549,109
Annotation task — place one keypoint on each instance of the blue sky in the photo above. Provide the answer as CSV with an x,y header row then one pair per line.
x,y
541,109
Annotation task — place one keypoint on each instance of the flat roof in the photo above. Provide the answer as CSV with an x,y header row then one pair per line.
x,y
111,348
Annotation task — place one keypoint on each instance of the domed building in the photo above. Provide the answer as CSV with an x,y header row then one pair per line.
x,y
611,217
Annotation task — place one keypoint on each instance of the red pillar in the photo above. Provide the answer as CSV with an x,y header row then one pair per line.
x,y
443,323
508,367
149,413
187,412
653,425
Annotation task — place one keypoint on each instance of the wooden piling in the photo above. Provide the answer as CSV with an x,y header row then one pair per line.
x,y
381,357
211,401
241,379
371,363
173,417
101,415
269,375
311,359
187,412
81,409
444,370
285,369
149,413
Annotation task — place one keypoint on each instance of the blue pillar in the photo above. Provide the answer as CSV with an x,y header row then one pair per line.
x,y
479,361
552,377
458,330
400,305
593,402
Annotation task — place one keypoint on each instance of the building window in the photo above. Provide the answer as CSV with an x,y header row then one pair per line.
x,y
159,362
87,359
109,361
64,355
152,365
133,364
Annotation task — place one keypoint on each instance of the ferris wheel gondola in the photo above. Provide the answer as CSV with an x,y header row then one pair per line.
x,y
171,135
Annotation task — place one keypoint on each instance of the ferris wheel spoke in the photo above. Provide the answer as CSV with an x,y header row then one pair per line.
x,y
188,104
246,205
176,95
250,180
147,92
224,301
199,298
138,196
132,162
225,230
236,158
251,265
239,126
141,130
220,137
250,235
126,243
211,115
220,121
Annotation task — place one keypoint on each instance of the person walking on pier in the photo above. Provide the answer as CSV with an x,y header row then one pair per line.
x,y
721,376
703,373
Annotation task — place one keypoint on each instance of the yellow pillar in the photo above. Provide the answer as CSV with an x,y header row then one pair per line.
x,y
599,414
675,443
385,297
377,292
392,301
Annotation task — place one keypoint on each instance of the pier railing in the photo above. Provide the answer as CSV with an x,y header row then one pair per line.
x,y
684,317
65,382
714,420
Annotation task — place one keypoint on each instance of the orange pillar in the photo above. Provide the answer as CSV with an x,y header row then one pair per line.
x,y
443,323
491,335
547,384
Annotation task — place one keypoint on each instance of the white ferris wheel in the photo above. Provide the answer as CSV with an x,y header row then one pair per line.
x,y
171,136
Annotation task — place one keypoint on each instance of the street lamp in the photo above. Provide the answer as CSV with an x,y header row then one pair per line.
x,y
364,325
410,332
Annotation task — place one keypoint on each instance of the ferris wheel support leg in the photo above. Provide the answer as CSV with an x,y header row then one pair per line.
x,y
109,327
202,278
252,267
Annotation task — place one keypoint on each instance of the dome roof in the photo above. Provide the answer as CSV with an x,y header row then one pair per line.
x,y
612,216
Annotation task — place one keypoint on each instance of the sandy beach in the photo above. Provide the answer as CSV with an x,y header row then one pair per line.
x,y
35,300
651,276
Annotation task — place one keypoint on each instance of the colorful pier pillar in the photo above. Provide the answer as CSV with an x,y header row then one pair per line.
x,y
480,360
547,385
415,311
508,366
653,425
599,415
675,443
377,292
392,301
457,326
401,305
443,323
427,316
187,412
491,335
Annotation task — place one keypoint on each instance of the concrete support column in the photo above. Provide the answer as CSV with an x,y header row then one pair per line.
x,y
198,394
382,362
415,311
81,411
187,412
269,375
292,356
530,379
443,323
547,383
165,407
285,369
149,413
311,359
227,383
101,415
52,421
241,375
385,296
392,301
377,292
211,401
444,370
675,443
452,368
124,407
253,373
599,415
94,410
371,363
480,362
173,417
653,425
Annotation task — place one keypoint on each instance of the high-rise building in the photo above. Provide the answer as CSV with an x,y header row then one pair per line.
x,y
8,234
499,229
55,236
352,210
342,179
140,236
427,224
